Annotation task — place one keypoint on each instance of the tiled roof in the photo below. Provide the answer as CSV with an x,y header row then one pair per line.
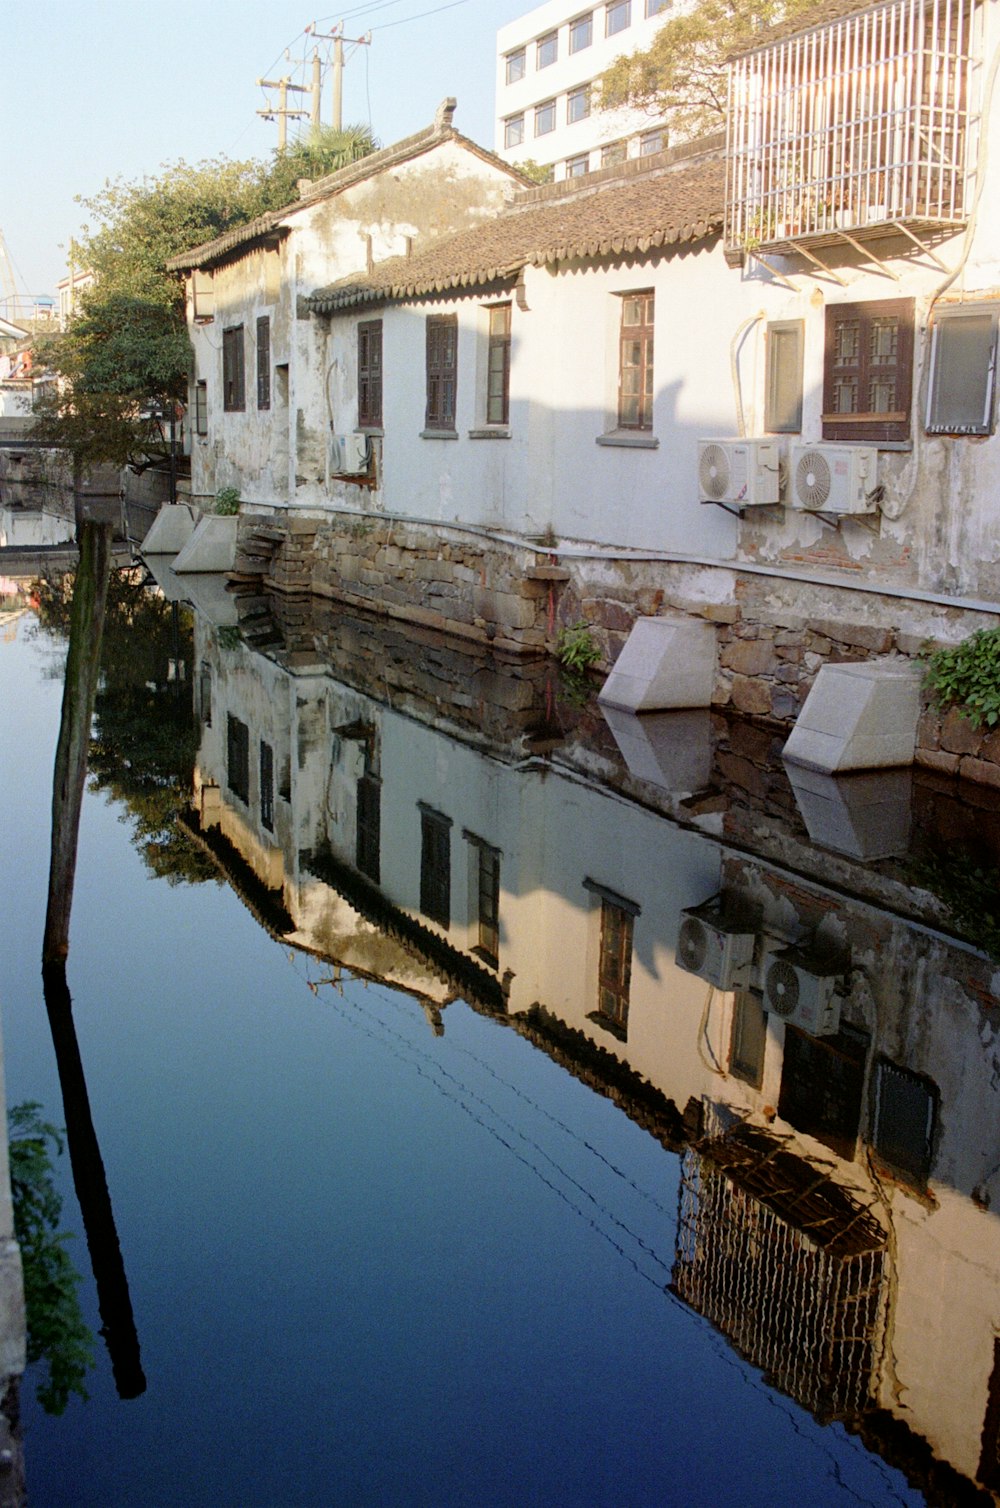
x,y
244,236
807,20
656,206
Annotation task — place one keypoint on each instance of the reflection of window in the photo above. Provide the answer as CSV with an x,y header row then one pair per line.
x,y
581,32
264,362
905,1110
868,371
515,66
435,865
266,786
635,372
654,7
963,358
749,1039
989,1459
614,969
370,373
783,399
368,843
233,380
513,131
548,50
578,167
498,366
205,693
617,16
578,104
442,370
545,118
238,757
821,1079
486,882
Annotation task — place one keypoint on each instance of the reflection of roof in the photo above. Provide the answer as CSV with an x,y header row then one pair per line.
x,y
266,906
643,208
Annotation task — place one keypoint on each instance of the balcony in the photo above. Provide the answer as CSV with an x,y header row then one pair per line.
x,y
859,129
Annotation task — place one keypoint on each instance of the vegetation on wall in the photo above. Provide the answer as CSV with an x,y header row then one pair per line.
x,y
967,675
683,73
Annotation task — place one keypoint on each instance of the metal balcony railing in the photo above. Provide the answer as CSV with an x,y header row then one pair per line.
x,y
865,126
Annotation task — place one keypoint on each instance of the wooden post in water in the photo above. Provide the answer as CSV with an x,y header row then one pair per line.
x,y
90,596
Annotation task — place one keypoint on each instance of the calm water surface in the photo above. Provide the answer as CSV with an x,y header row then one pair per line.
x,y
368,1263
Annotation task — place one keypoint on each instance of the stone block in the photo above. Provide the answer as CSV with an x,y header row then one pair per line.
x,y
748,656
666,663
990,748
937,759
742,772
752,697
982,771
671,750
929,730
858,717
959,734
866,636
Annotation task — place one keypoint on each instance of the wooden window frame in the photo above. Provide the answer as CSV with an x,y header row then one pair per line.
x,y
233,370
885,425
639,333
498,364
263,362
368,833
785,366
441,373
370,374
201,407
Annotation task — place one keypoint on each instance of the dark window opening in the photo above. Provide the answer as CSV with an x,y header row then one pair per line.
x,y
821,1081
435,865
961,398
238,757
442,370
264,362
367,853
266,786
905,1114
370,374
201,408
868,371
233,375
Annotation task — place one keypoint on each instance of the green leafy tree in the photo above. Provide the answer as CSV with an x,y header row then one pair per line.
x,y
683,73
314,157
57,1334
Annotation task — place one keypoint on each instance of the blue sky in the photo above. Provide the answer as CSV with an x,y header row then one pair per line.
x,y
97,89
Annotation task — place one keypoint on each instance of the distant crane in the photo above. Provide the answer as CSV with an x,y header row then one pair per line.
x,y
16,303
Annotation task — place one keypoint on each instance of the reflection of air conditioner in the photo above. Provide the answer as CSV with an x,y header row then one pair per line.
x,y
348,454
743,472
802,991
717,949
834,478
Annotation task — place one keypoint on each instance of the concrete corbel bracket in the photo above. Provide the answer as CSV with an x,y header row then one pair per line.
x,y
666,662
858,717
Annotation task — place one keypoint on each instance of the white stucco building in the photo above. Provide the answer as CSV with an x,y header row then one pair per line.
x,y
549,63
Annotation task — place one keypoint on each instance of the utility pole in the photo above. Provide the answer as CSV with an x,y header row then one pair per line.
x,y
337,62
283,114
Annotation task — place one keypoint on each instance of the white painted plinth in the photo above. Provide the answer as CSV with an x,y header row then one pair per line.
x,y
672,750
858,717
865,815
666,663
171,529
212,546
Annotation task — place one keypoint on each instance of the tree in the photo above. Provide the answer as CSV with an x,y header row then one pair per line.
x,y
682,75
315,157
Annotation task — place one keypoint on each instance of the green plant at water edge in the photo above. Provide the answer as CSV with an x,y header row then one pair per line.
x,y
57,1334
227,501
967,675
575,647
229,636
969,888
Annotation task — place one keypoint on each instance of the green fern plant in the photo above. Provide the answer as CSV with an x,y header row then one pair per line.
x,y
967,676
576,648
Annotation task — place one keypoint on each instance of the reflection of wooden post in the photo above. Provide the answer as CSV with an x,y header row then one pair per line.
x,y
90,1182
90,595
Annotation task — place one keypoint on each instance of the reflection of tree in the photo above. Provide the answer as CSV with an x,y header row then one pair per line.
x,y
57,1335
145,733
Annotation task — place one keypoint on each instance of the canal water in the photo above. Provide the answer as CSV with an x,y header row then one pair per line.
x,y
436,1177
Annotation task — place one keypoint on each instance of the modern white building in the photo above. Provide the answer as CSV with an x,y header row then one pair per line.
x,y
548,64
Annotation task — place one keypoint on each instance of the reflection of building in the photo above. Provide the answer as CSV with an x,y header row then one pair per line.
x,y
425,814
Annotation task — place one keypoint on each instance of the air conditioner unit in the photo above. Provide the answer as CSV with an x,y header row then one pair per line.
x,y
834,478
716,948
348,454
745,473
802,991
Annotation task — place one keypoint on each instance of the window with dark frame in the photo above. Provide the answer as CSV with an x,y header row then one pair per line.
x,y
905,1117
581,32
205,694
515,66
578,104
614,975
201,408
498,366
822,1080
487,897
266,786
435,865
264,362
657,7
613,152
868,371
238,758
651,142
370,374
547,50
233,374
635,369
617,16
961,392
578,167
783,395
368,841
442,371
